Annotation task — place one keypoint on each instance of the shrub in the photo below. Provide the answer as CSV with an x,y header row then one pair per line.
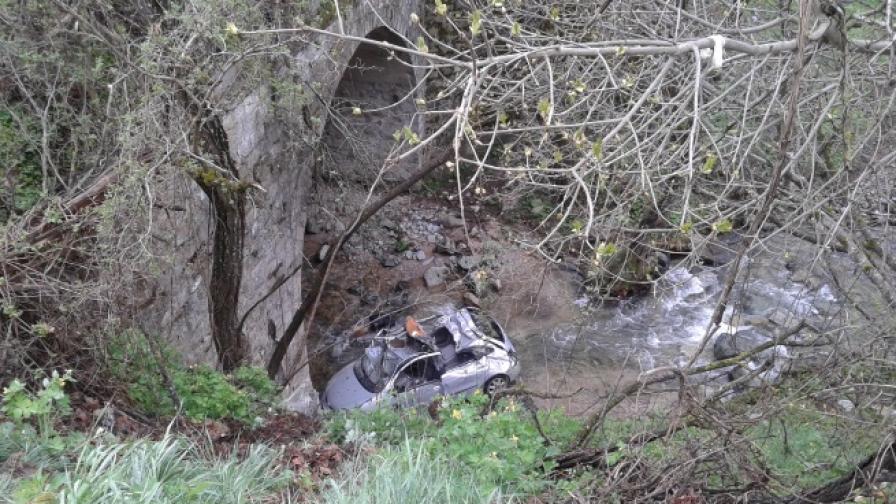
x,y
502,451
204,392
44,406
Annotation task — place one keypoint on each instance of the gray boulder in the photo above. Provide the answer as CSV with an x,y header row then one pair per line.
x,y
435,276
727,345
468,263
389,261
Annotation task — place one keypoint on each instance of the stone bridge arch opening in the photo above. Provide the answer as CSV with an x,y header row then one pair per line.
x,y
381,85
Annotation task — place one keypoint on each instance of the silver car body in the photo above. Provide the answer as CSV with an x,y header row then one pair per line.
x,y
457,356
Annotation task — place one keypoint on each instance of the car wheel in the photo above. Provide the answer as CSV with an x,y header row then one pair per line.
x,y
496,384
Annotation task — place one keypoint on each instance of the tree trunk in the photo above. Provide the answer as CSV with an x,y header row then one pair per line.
x,y
228,202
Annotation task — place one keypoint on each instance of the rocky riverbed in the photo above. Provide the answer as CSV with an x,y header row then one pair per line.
x,y
418,253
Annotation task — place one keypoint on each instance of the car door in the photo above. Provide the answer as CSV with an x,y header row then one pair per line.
x,y
416,383
467,372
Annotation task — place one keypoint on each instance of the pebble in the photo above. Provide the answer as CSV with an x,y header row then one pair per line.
x,y
322,252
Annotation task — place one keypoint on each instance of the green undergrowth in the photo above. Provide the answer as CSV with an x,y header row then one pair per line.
x,y
171,470
806,448
501,456
245,395
463,450
499,453
41,464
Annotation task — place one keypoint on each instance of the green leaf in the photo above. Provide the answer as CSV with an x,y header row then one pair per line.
x,y
555,13
410,136
606,249
544,108
441,8
597,148
502,118
723,226
421,45
475,22
516,29
709,164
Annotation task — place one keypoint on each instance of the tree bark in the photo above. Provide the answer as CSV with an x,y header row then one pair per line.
x,y
228,202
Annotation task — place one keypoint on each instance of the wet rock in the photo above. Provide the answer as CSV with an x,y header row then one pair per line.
x,y
435,276
390,224
468,263
470,299
728,345
419,255
314,226
780,317
806,278
451,221
322,252
446,247
389,261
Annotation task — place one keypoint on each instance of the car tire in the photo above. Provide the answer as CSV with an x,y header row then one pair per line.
x,y
496,384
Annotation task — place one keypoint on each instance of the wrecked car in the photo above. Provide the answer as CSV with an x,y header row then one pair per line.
x,y
455,352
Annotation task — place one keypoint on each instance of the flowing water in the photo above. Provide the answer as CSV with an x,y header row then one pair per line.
x,y
666,328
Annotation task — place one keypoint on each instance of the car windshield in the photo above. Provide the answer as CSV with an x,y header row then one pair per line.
x,y
374,369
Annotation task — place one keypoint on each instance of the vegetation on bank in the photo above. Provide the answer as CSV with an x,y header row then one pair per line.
x,y
459,450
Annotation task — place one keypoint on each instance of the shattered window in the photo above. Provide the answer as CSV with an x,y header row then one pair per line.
x,y
375,368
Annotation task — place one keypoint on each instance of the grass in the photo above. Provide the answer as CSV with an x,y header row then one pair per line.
x,y
171,470
408,473
805,448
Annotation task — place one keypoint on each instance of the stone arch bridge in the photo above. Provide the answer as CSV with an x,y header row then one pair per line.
x,y
277,149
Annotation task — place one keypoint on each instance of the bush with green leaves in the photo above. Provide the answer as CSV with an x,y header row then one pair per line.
x,y
30,431
204,392
44,406
19,159
501,451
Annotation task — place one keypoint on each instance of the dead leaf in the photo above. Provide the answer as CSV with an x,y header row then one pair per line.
x,y
413,328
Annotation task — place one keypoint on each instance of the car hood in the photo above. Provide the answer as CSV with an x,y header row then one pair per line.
x,y
344,391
